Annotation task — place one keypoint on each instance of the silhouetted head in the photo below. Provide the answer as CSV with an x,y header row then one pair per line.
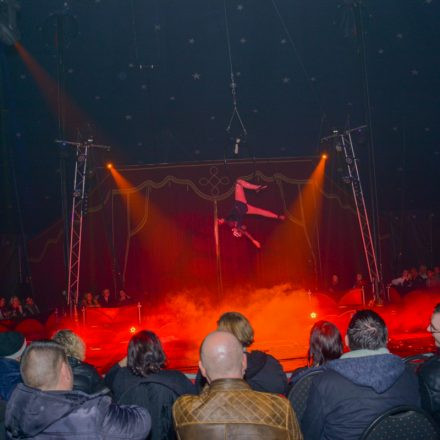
x,y
222,357
238,325
366,330
325,343
145,354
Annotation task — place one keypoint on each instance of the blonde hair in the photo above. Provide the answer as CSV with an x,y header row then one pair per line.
x,y
72,343
238,325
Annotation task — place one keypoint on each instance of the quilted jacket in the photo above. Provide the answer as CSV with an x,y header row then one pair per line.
x,y
229,408
35,414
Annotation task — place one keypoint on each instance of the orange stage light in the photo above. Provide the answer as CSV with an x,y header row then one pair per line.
x,y
324,155
132,329
313,315
109,165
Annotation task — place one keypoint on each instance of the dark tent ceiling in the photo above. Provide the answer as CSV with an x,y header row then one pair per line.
x,y
153,80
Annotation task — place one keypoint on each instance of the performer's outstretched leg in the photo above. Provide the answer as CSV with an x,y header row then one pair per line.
x,y
240,185
253,210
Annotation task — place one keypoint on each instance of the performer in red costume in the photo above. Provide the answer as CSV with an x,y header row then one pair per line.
x,y
241,208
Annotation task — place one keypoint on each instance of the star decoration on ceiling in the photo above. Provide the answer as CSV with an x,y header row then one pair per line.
x,y
243,40
399,36
414,72
172,98
380,51
283,41
157,27
286,80
196,76
191,41
240,7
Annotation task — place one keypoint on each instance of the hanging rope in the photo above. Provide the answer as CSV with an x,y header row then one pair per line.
x,y
235,112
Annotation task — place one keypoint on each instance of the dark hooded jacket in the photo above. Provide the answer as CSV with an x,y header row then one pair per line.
x,y
157,392
9,377
263,373
35,414
429,381
85,377
352,392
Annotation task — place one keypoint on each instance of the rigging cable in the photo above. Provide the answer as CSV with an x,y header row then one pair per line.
x,y
235,112
371,150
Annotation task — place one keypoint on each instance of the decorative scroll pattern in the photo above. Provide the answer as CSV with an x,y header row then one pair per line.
x,y
214,181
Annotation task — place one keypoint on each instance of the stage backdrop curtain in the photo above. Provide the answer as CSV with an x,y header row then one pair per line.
x,y
153,230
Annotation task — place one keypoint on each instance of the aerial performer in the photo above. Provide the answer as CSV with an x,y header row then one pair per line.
x,y
242,208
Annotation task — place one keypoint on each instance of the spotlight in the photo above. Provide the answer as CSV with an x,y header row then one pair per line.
x,y
109,165
324,155
313,315
132,329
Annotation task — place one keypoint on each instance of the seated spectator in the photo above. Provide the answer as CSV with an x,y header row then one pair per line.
x,y
123,299
360,386
105,300
228,407
325,344
140,379
432,282
4,313
429,372
89,300
335,285
30,308
418,278
46,407
404,283
359,282
15,308
12,346
85,376
263,372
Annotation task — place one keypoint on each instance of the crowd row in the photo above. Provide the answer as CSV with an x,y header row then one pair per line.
x,y
237,392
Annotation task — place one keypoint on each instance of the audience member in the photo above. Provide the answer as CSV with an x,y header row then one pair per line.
x,y
429,372
105,300
12,346
228,407
30,308
360,282
335,285
85,376
263,372
123,299
89,300
46,407
432,282
141,379
4,313
15,308
360,386
325,344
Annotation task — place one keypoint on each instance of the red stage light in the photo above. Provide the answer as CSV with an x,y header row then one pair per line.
x,y
313,315
132,329
109,166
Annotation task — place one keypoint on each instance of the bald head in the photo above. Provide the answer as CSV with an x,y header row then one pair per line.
x,y
222,357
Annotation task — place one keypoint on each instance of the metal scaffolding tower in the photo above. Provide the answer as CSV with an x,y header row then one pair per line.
x,y
79,207
353,178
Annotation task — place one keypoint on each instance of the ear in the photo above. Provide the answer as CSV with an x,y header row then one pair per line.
x,y
66,377
203,371
243,364
346,341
